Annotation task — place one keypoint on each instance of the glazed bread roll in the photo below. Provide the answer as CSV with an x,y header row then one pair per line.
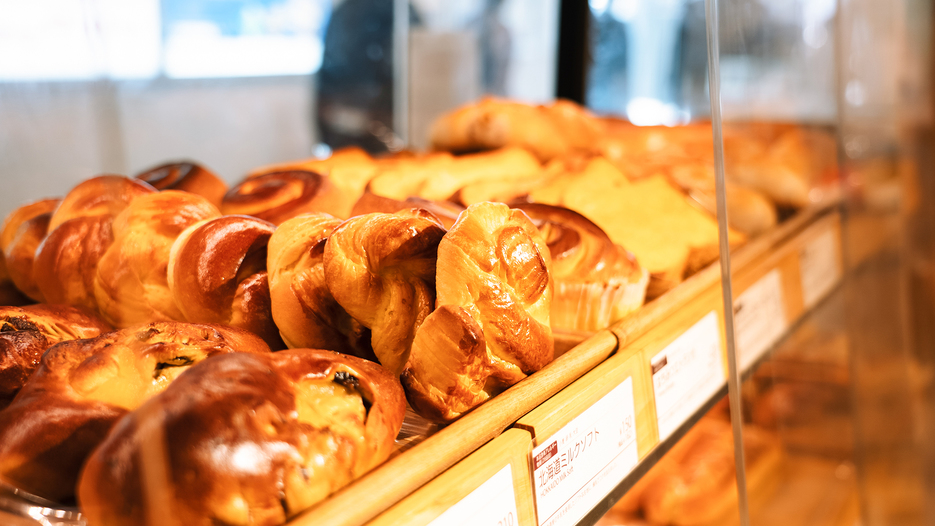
x,y
350,169
217,274
381,269
188,177
278,196
302,304
244,439
369,203
22,232
131,283
82,387
26,332
597,282
104,195
490,327
66,260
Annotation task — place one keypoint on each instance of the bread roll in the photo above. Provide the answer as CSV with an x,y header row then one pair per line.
x,y
26,332
491,324
66,260
82,387
446,211
278,196
188,177
381,269
217,274
104,195
131,283
244,439
302,304
28,228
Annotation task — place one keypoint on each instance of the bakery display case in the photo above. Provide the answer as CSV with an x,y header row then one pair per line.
x,y
494,262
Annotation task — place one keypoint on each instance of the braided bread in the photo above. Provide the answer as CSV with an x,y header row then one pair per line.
x,y
244,439
217,274
491,324
82,387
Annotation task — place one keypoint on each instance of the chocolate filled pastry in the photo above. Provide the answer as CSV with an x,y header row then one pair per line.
x,y
244,439
131,283
490,328
381,269
20,235
26,332
82,387
188,177
596,281
278,196
217,274
302,304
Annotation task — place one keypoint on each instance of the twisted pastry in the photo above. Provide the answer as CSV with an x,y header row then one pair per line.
x,y
596,281
245,439
490,327
131,284
303,307
26,332
20,235
446,211
104,195
66,260
381,269
217,274
278,196
82,387
188,177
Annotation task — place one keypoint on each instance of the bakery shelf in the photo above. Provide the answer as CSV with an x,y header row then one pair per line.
x,y
546,401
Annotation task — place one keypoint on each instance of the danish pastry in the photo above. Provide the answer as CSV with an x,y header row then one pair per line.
x,y
188,177
278,196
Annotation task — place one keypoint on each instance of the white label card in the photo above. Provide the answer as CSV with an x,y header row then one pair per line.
x,y
580,464
819,263
687,373
493,503
759,318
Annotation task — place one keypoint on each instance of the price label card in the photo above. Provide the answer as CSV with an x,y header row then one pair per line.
x,y
759,318
580,464
819,263
687,373
493,503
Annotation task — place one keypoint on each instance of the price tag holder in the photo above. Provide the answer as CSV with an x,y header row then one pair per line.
x,y
493,503
687,373
819,264
580,464
759,318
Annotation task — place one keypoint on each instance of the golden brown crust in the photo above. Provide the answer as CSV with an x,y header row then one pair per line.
x,y
278,196
302,305
188,177
105,195
369,203
66,261
131,284
249,439
26,332
20,254
22,214
493,275
82,387
217,274
381,269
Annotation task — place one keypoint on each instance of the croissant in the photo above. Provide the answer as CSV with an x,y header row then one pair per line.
x,y
381,269
26,332
82,387
245,439
490,327
303,307
20,235
131,284
217,274
188,177
278,196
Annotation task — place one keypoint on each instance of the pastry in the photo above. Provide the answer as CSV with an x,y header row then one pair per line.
x,y
490,328
244,439
104,195
278,196
597,282
381,269
748,211
188,177
446,211
26,332
499,165
350,169
302,305
402,177
66,260
131,283
82,387
217,274
20,235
